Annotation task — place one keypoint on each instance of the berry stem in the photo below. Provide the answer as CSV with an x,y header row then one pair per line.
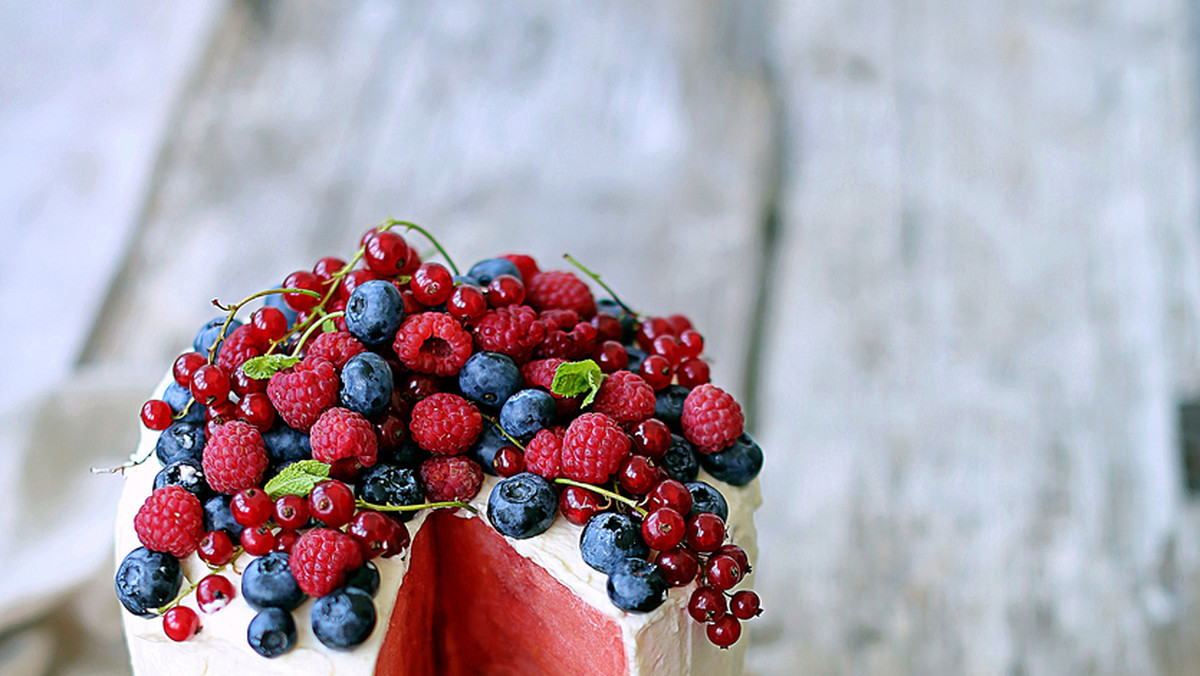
x,y
413,226
233,310
500,429
363,504
603,491
599,281
309,331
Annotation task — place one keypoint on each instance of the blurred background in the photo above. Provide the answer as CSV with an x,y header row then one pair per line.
x,y
946,253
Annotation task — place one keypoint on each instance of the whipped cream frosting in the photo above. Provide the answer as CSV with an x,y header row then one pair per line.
x,y
664,642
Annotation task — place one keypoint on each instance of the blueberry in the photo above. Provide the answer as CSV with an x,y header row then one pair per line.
x,y
187,474
636,357
218,516
286,445
489,379
637,585
407,454
276,301
207,335
680,460
668,405
608,539
485,271
365,578
736,465
526,412
522,506
177,397
272,632
147,580
374,312
484,451
705,498
268,583
390,485
344,618
180,441
366,384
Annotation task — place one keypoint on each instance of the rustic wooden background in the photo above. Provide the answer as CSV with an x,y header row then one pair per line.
x,y
947,252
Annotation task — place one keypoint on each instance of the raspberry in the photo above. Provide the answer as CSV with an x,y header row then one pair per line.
x,y
513,330
593,448
561,290
445,424
234,457
543,454
336,347
342,433
302,392
242,344
540,373
625,398
558,320
451,478
711,419
322,558
171,520
525,264
432,342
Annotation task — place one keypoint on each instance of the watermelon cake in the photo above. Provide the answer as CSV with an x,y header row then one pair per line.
x,y
395,468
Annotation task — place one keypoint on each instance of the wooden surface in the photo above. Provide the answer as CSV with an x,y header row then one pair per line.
x,y
947,253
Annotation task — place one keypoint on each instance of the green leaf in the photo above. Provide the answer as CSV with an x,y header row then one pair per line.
x,y
297,478
261,368
574,378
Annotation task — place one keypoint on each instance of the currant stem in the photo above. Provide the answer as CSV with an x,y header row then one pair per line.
x,y
599,281
161,610
413,226
416,508
233,310
603,491
500,429
309,331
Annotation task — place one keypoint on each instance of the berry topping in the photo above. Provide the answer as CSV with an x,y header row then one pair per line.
x,y
214,593
445,424
724,632
378,535
432,284
508,461
344,618
366,578
593,448
522,506
234,458
723,572
147,580
705,532
215,548
663,529
272,632
561,290
525,265
513,330
432,342
526,412
387,254
332,503
366,384
181,623
374,311
636,475
449,478
705,498
187,474
626,398
341,433
711,419
485,271
608,539
290,512
394,486
251,507
679,566
171,520
579,504
210,385
322,558
680,461
745,605
706,605
543,454
489,379
670,493
156,415
637,585
335,347
303,392
736,465
268,582
258,540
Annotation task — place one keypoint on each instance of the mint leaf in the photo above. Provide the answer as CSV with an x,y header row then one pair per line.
x,y
261,368
574,378
297,478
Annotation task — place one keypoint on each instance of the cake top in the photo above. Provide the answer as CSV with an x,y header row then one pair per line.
x,y
299,444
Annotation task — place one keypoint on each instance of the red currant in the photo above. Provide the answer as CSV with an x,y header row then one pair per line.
x,y
214,593
251,507
258,540
285,540
505,290
390,432
706,605
656,370
215,548
421,385
346,469
302,279
269,322
607,326
243,384
290,512
679,566
375,533
327,267
705,532
670,493
668,347
414,262
745,605
636,475
651,329
386,254
210,384
508,461
399,541
256,409
738,554
156,414
679,324
722,572
691,343
432,284
579,504
332,502
584,336
181,623
185,365
651,438
220,413
467,303
663,529
351,281
412,306
692,372
724,632
612,356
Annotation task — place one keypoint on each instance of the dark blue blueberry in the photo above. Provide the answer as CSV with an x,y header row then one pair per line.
x,y
366,384
147,580
272,632
177,397
522,506
407,454
268,583
207,335
344,618
680,460
608,539
489,379
636,357
706,498
180,441
374,312
365,578
526,412
218,516
276,301
187,474
736,465
485,271
286,445
628,321
668,405
637,585
390,485
484,451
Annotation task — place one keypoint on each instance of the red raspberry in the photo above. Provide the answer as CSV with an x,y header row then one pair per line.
x,y
525,264
445,424
242,344
451,478
322,558
626,398
543,454
342,433
593,448
170,520
234,457
711,419
513,330
560,290
302,392
558,320
433,342
336,347
540,373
